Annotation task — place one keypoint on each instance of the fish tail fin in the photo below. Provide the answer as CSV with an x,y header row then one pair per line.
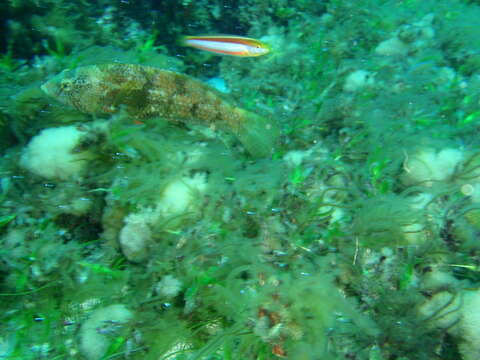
x,y
257,134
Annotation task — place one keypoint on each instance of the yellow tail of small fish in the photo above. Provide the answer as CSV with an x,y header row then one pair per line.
x,y
258,134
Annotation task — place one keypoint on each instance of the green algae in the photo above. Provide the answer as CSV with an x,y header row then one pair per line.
x,y
318,254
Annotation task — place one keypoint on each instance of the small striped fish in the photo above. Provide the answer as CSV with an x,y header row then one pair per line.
x,y
227,45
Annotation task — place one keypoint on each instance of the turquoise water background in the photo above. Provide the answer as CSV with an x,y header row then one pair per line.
x,y
357,238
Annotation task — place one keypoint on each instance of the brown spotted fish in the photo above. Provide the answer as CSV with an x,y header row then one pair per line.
x,y
146,92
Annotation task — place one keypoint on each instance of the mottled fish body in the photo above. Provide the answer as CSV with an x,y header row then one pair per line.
x,y
146,92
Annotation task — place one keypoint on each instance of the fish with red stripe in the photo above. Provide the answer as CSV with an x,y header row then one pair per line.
x,y
227,45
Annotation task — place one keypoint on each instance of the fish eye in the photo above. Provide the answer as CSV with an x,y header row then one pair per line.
x,y
64,86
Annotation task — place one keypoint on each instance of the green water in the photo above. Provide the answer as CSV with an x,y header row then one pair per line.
x,y
357,238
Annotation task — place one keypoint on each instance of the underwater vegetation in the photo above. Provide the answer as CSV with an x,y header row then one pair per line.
x,y
321,201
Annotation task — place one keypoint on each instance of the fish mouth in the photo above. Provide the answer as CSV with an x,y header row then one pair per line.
x,y
53,89
44,87
48,88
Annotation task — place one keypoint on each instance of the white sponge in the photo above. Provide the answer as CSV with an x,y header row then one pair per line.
x,y
428,165
136,236
50,154
180,195
97,332
358,80
469,326
459,315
